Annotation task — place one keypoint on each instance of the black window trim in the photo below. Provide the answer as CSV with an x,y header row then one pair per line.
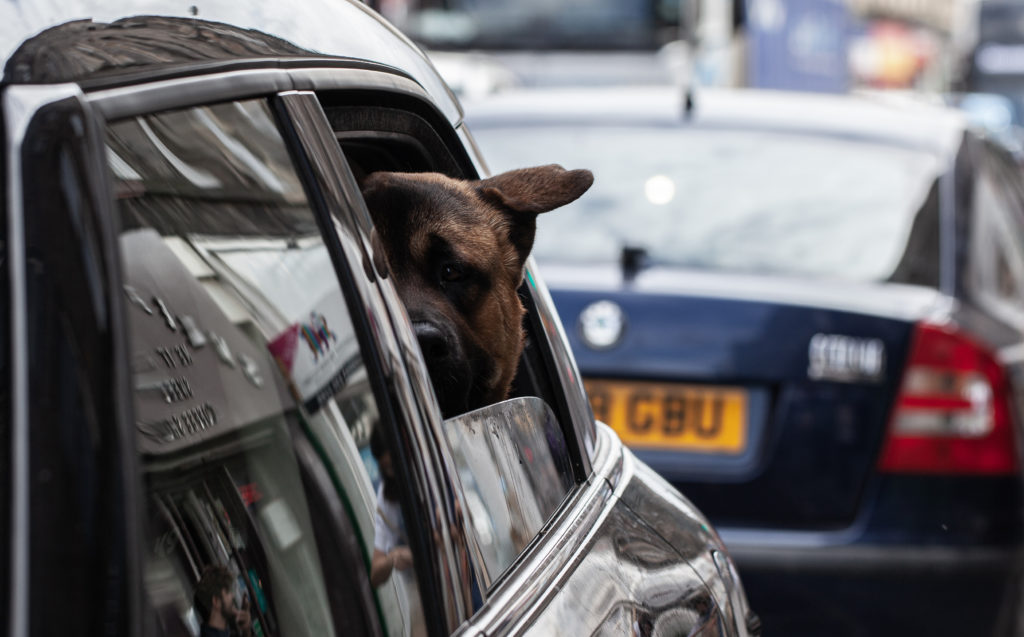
x,y
229,85
307,132
21,107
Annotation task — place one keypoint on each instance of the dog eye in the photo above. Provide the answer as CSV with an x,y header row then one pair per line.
x,y
452,272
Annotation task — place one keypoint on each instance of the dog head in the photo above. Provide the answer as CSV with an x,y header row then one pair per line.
x,y
456,251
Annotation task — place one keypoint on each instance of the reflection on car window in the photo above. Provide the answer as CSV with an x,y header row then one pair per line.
x,y
534,24
685,208
241,341
514,467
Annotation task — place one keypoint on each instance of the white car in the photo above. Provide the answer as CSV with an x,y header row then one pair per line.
x,y
216,414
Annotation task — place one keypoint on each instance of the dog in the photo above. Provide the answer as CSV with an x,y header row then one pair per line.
x,y
456,251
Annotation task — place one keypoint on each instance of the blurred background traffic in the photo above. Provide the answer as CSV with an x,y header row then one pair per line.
x,y
942,48
797,286
822,45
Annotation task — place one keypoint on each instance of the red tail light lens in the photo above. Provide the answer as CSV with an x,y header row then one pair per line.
x,y
952,414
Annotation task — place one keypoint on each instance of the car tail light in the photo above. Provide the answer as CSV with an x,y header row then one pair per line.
x,y
952,414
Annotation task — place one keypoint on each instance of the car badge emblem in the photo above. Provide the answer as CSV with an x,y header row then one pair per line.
x,y
602,324
845,359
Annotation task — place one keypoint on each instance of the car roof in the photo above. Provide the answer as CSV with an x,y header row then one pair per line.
x,y
53,41
894,119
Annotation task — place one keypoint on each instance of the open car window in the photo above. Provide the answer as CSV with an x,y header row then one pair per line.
x,y
255,418
512,459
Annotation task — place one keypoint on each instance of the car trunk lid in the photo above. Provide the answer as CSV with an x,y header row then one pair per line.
x,y
764,400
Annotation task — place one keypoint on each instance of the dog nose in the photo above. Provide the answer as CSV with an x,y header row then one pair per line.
x,y
432,340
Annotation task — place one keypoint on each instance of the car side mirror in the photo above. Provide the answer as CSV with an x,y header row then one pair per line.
x,y
514,467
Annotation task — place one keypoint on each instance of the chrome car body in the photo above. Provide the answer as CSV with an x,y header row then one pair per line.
x,y
115,114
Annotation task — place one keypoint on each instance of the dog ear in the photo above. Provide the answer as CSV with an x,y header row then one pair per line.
x,y
535,190
525,193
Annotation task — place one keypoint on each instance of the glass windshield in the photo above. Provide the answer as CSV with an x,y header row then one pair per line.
x,y
593,24
733,200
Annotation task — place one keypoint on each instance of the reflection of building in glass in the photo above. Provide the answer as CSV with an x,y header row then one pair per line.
x,y
226,275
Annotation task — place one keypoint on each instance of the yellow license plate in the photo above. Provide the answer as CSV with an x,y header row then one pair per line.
x,y
672,416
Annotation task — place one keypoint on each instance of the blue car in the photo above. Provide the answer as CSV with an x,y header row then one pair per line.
x,y
806,312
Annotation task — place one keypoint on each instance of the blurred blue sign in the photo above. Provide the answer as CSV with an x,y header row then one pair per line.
x,y
798,44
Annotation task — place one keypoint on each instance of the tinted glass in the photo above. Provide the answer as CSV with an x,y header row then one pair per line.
x,y
242,344
742,201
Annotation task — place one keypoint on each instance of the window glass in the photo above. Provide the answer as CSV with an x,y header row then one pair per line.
x,y
535,24
241,342
811,215
997,264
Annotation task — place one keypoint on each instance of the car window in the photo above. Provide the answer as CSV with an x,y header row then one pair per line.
x,y
533,24
243,353
997,268
505,511
685,208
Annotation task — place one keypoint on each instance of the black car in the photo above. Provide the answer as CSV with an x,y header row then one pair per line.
x,y
807,313
215,410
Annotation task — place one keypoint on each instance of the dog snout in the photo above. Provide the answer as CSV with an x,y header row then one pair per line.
x,y
433,340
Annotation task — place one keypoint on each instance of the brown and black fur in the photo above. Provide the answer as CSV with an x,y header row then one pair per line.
x,y
456,251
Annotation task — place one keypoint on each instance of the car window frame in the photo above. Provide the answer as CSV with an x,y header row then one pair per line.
x,y
458,156
401,407
331,206
313,466
454,152
67,106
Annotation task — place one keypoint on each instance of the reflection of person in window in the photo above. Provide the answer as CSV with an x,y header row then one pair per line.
x,y
390,544
215,599
392,559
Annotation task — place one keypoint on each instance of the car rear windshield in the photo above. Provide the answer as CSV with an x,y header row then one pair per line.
x,y
750,201
537,24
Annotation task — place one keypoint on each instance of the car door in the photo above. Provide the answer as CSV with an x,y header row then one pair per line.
x,y
191,355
